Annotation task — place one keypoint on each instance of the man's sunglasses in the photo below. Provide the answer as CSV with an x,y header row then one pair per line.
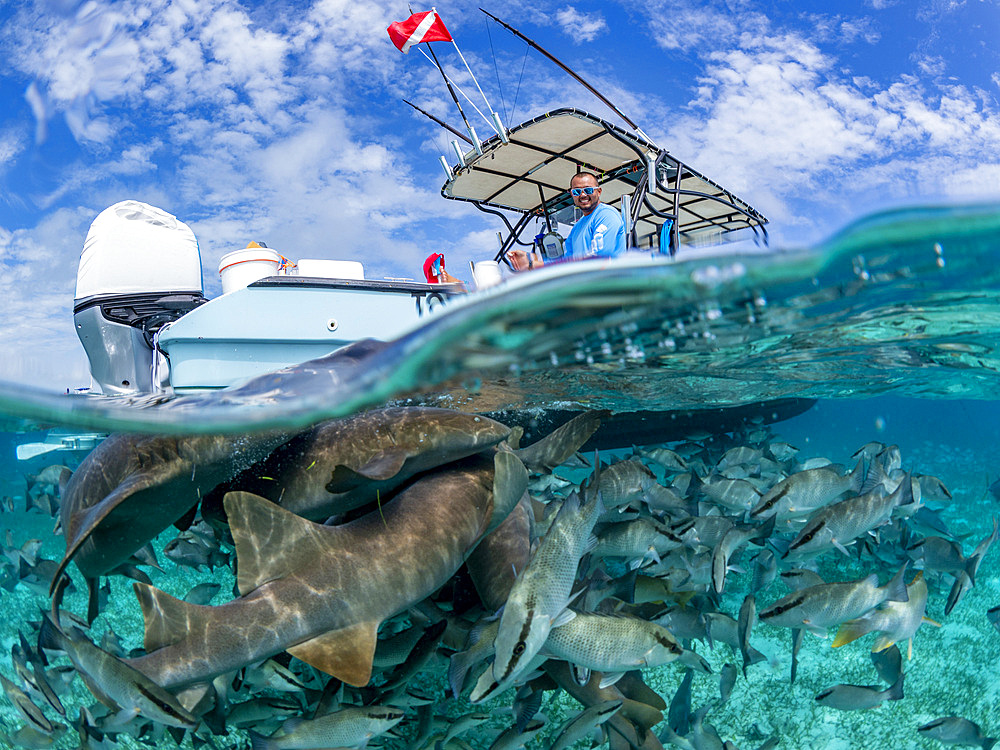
x,y
577,192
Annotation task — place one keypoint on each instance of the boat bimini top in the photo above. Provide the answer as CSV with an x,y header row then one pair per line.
x,y
664,202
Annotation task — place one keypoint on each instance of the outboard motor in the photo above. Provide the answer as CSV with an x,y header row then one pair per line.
x,y
140,268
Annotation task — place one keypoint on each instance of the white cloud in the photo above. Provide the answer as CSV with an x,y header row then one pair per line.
x,y
580,27
36,303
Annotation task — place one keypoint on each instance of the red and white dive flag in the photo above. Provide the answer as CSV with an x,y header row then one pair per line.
x,y
418,28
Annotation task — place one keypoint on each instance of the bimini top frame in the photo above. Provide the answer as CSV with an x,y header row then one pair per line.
x,y
529,171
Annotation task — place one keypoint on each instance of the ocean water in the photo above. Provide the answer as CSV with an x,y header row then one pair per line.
x,y
888,332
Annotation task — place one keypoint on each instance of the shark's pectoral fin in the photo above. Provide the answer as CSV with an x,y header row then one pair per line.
x,y
86,520
383,465
345,654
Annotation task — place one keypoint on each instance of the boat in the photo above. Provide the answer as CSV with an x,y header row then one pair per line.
x,y
143,319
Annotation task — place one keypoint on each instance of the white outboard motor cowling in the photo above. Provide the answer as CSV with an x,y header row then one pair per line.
x,y
140,268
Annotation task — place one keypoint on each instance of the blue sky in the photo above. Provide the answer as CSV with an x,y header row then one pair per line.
x,y
283,122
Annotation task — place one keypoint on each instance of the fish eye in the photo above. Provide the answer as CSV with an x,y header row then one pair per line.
x,y
519,648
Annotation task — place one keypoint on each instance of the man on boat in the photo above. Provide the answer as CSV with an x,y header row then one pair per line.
x,y
599,233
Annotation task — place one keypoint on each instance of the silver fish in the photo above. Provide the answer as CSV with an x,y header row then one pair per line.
x,y
112,679
579,726
807,491
348,727
737,495
888,663
26,707
513,739
840,523
817,608
745,625
541,592
896,620
954,730
612,643
636,541
735,538
858,697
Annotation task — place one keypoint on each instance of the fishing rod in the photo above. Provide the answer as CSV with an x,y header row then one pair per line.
x,y
446,126
576,76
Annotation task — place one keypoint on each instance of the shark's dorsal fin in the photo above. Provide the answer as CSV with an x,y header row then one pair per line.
x,y
271,543
168,619
345,654
383,465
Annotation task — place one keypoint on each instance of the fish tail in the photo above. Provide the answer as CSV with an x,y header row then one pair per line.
x,y
458,669
50,636
850,631
895,693
167,619
260,742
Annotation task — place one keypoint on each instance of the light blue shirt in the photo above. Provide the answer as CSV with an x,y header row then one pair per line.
x,y
600,233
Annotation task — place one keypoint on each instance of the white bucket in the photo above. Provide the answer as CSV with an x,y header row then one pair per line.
x,y
486,273
241,268
331,269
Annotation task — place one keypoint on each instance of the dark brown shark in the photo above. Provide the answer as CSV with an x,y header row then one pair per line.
x,y
342,464
132,487
321,592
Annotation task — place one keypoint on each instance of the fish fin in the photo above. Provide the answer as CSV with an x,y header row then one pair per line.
x,y
850,631
260,742
514,439
896,588
92,517
383,465
64,476
271,542
510,483
346,653
580,674
814,629
609,679
563,617
458,670
882,643
562,443
167,618
929,621
184,522
841,547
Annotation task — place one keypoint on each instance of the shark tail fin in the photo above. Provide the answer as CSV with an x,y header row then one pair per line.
x,y
167,618
560,444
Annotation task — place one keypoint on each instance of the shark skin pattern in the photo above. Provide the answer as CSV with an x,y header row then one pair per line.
x,y
132,487
342,464
321,592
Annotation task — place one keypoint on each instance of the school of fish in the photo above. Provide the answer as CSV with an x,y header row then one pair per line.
x,y
397,569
